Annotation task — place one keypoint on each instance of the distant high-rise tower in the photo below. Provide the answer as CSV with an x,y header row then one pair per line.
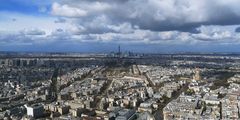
x,y
197,75
119,51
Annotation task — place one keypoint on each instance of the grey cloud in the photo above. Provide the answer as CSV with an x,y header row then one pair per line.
x,y
32,38
237,30
59,33
32,32
66,10
15,39
14,19
214,36
160,15
60,20
100,25
65,36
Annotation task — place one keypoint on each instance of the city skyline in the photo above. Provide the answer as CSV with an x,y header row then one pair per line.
x,y
148,26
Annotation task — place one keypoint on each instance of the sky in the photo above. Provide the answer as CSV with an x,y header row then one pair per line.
x,y
151,26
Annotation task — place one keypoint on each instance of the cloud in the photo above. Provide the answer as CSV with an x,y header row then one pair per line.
x,y
60,20
28,22
14,19
33,31
99,25
80,8
155,15
219,34
237,29
66,36
142,22
68,11
216,36
14,39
